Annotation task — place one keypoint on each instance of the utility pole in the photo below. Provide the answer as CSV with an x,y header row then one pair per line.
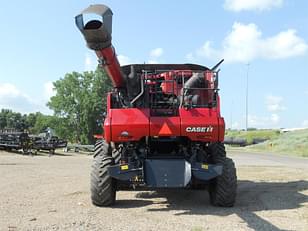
x,y
248,64
231,127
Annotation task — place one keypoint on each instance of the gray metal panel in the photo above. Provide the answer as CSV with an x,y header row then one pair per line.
x,y
169,173
211,171
116,172
99,9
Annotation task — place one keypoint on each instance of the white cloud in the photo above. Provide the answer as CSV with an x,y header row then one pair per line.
x,y
263,121
274,106
245,43
207,50
275,118
154,57
49,90
255,5
12,98
90,62
274,103
283,45
156,53
8,90
124,60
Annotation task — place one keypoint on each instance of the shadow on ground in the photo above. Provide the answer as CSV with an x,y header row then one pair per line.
x,y
252,197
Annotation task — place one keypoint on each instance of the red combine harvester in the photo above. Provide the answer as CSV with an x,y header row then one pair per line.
x,y
163,127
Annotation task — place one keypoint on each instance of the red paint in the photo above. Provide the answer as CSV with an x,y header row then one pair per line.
x,y
133,124
111,65
160,126
165,130
138,123
201,117
131,120
170,86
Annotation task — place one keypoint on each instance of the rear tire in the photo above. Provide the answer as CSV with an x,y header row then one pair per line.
x,y
103,186
223,188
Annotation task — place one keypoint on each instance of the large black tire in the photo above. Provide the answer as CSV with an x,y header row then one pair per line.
x,y
218,153
223,188
103,186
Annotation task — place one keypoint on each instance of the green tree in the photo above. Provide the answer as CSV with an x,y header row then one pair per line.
x,y
34,122
41,122
12,120
79,104
3,118
31,119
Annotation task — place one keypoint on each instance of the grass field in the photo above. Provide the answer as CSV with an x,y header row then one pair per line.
x,y
291,143
250,135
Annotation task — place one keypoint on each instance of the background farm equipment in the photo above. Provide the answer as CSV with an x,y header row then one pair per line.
x,y
47,142
14,140
79,148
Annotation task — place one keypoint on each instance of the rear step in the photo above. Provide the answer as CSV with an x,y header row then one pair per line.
x,y
166,173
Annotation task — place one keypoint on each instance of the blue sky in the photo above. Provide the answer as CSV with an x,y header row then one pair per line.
x,y
40,43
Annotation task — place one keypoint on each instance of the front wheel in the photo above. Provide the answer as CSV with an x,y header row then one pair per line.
x,y
103,186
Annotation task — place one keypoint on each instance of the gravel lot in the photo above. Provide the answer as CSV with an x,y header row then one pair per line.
x,y
52,193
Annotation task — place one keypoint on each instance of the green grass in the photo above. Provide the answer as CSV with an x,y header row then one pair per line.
x,y
292,143
250,135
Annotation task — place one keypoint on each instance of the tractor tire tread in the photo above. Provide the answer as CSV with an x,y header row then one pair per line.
x,y
103,187
223,188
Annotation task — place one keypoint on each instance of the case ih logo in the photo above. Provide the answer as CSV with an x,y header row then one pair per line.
x,y
199,129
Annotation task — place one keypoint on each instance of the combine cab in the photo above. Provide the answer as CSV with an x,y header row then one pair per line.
x,y
163,127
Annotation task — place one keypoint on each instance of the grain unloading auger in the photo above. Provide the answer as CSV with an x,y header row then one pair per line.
x,y
163,127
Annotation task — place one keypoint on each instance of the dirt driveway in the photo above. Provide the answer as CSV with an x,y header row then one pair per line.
x,y
52,193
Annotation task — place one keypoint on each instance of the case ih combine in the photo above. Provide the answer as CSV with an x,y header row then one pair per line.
x,y
163,127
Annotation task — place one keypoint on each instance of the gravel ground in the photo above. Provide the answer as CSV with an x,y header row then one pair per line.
x,y
52,193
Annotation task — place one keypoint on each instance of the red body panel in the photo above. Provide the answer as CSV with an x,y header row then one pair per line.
x,y
200,124
133,121
107,122
132,124
165,126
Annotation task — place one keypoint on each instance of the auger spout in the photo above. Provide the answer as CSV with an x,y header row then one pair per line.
x,y
98,38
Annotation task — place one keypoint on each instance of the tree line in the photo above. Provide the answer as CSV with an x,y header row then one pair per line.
x,y
78,108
